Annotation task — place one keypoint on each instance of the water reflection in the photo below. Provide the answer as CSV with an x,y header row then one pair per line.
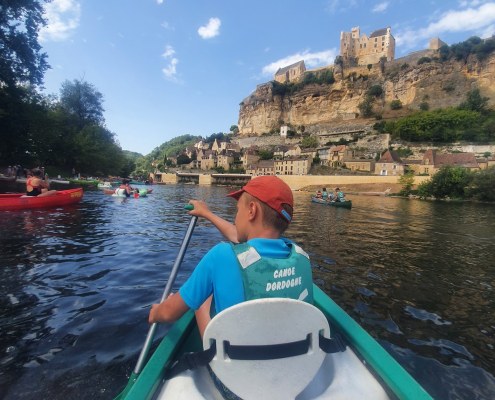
x,y
77,283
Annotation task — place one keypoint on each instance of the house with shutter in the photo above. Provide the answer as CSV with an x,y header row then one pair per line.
x,y
389,164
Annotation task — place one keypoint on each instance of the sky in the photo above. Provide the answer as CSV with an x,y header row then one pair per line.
x,y
167,68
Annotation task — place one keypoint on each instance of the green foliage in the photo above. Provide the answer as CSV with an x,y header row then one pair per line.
x,y
444,125
322,77
220,136
424,60
407,182
309,142
369,66
424,106
339,60
474,101
395,105
449,181
83,101
483,185
375,91
473,46
366,106
21,59
234,129
183,159
379,126
265,154
404,152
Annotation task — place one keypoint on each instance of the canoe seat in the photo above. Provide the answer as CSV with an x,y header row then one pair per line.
x,y
268,322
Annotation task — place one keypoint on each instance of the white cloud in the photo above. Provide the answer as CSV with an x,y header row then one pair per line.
x,y
334,6
488,32
159,1
167,26
311,60
478,20
62,19
170,71
211,29
380,7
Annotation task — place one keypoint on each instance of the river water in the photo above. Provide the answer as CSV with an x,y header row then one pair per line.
x,y
76,285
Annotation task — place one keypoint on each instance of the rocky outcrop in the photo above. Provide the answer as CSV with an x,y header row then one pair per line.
x,y
322,109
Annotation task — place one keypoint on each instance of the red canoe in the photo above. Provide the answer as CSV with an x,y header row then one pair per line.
x,y
18,201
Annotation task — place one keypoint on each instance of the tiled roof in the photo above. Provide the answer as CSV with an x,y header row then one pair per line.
x,y
379,32
467,160
390,156
285,69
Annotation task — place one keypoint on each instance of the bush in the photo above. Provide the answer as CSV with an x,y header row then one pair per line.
x,y
366,107
424,106
483,185
395,105
375,91
424,60
450,182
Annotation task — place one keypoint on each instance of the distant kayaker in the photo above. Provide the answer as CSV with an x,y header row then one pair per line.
x,y
339,195
36,186
127,191
324,194
257,263
318,194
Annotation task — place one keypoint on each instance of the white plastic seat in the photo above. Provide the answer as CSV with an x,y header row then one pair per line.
x,y
314,375
267,322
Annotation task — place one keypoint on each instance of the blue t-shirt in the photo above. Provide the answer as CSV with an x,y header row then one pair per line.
x,y
218,273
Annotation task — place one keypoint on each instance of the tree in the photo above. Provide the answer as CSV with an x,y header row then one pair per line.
x,y
395,105
309,142
407,182
366,107
483,185
183,159
474,101
448,182
83,101
234,129
375,91
21,59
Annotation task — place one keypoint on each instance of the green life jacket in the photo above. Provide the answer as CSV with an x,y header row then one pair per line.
x,y
264,277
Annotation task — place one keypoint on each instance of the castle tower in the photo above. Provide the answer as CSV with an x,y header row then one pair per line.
x,y
366,50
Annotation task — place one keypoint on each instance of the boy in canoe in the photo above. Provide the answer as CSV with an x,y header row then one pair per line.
x,y
257,263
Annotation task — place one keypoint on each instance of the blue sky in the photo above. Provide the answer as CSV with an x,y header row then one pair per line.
x,y
170,67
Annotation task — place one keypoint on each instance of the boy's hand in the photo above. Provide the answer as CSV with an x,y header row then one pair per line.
x,y
153,316
200,208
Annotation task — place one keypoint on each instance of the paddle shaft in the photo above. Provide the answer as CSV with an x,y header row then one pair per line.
x,y
168,288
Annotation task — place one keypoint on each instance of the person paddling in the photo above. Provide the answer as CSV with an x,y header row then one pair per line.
x,y
36,186
339,195
252,265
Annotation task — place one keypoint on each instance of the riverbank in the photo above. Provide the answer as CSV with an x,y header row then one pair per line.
x,y
364,189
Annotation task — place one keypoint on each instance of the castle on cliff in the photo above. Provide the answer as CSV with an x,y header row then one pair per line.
x,y
367,50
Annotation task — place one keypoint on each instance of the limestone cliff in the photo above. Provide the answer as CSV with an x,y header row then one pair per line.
x,y
324,109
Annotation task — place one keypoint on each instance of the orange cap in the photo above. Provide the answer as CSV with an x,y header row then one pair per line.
x,y
272,191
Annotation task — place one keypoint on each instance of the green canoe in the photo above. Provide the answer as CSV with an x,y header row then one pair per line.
x,y
372,367
342,204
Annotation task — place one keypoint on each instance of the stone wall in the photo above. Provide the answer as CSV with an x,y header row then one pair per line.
x,y
298,182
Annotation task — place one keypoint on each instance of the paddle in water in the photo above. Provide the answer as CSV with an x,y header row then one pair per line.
x,y
168,289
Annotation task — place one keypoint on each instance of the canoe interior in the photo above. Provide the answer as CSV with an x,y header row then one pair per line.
x,y
184,337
